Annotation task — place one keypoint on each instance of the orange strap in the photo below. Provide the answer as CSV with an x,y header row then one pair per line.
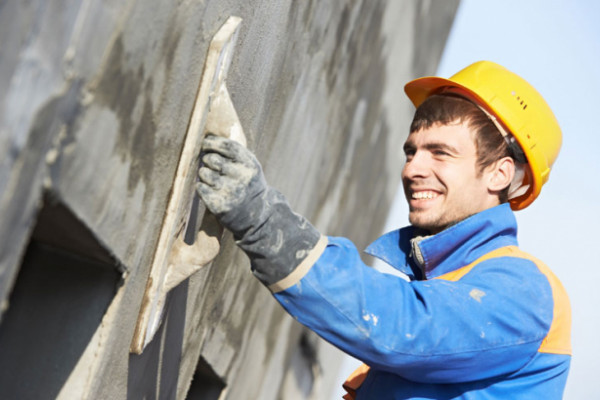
x,y
354,381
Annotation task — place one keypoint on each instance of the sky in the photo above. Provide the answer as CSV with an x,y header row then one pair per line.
x,y
555,46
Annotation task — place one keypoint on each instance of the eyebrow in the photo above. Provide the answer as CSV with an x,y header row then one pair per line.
x,y
431,146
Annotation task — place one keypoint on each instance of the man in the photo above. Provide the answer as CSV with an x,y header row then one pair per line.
x,y
479,317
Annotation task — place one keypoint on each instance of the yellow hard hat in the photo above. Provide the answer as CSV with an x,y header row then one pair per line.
x,y
516,104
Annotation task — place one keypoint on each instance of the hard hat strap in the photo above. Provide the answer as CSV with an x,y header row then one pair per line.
x,y
517,187
513,146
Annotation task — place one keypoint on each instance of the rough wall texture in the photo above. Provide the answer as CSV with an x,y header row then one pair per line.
x,y
96,98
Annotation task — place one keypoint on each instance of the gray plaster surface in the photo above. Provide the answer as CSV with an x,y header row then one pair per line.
x,y
95,100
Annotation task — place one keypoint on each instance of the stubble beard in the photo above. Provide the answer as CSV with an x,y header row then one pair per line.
x,y
432,224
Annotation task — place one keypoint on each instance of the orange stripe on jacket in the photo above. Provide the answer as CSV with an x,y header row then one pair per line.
x,y
558,340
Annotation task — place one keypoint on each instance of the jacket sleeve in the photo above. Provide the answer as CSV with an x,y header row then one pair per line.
x,y
489,323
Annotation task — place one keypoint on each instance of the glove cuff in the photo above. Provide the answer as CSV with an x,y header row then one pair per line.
x,y
279,241
302,269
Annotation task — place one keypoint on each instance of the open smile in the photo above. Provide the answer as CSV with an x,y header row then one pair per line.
x,y
424,195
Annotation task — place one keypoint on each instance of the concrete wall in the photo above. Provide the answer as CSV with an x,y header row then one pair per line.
x,y
96,96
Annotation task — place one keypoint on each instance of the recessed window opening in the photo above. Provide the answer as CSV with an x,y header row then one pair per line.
x,y
206,384
64,286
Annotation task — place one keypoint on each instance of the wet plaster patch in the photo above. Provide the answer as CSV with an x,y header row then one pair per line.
x,y
477,294
128,93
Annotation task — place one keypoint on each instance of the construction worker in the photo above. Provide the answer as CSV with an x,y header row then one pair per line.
x,y
479,318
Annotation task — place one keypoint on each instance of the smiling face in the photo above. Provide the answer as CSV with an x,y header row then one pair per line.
x,y
442,182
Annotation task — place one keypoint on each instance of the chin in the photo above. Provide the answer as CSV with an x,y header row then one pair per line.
x,y
432,227
424,226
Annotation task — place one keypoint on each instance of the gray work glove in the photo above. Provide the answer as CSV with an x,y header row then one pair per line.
x,y
233,188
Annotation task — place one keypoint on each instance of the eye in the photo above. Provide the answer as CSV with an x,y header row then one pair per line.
x,y
440,153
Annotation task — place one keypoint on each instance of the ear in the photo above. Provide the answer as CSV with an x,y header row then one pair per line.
x,y
501,174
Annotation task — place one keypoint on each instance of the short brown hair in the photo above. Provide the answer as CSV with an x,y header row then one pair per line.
x,y
448,108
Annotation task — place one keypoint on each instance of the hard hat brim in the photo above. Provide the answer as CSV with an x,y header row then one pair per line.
x,y
420,89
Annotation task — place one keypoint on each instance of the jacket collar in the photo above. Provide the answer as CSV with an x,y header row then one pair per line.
x,y
451,249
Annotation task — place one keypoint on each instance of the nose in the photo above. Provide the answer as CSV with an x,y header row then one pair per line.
x,y
416,166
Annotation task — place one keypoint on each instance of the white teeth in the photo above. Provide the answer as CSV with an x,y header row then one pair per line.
x,y
424,195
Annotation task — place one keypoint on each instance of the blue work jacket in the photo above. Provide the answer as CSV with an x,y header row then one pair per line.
x,y
480,319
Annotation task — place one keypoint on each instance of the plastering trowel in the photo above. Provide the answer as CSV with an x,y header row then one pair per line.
x,y
174,260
